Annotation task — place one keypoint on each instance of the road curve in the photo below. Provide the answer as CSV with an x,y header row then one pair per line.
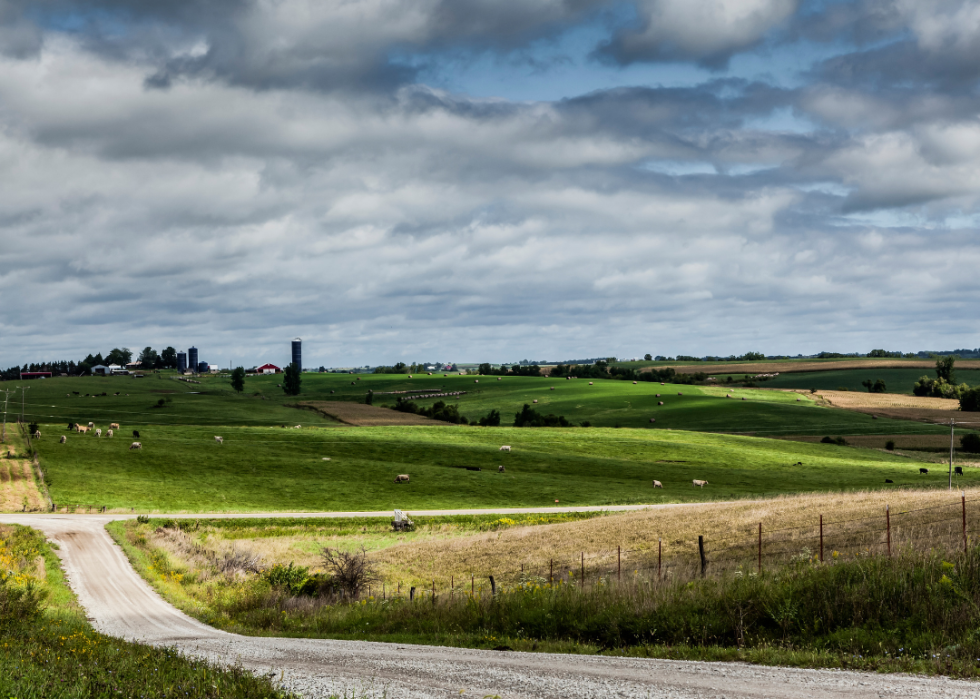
x,y
120,603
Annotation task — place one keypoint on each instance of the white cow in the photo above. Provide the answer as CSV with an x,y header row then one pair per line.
x,y
219,440
506,447
700,484
108,433
658,484
98,432
64,439
91,425
37,434
135,445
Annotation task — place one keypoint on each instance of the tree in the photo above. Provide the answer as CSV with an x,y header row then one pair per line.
x,y
291,380
148,358
877,386
491,419
238,379
944,369
350,570
369,398
970,443
168,358
120,356
485,369
970,400
648,357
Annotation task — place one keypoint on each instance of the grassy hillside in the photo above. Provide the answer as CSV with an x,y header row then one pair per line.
x,y
897,380
182,468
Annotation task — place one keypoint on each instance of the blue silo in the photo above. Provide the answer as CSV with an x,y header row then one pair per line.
x,y
298,353
192,358
182,362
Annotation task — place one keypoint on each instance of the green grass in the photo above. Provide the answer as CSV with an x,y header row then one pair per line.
x,y
897,380
606,403
48,650
256,469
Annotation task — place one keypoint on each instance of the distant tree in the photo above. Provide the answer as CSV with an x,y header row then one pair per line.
x,y
970,400
648,357
291,380
971,443
168,358
491,419
485,369
238,379
119,356
877,386
369,398
148,357
944,369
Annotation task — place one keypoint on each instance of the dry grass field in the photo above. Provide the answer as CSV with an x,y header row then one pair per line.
x,y
361,415
894,405
792,367
18,491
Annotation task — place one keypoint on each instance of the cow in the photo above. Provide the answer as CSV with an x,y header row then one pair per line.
x,y
114,425
136,434
506,447
108,433
81,429
402,478
889,480
135,445
64,439
500,469
71,426
590,383
958,470
98,433
653,419
91,425
219,440
699,484
37,434
658,484
923,470
660,402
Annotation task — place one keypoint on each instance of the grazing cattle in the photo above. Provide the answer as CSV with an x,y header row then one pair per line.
x,y
114,425
590,383
658,395
660,403
552,388
506,447
297,427
653,419
889,480
98,433
679,393
37,434
81,429
798,400
658,484
699,484
634,383
535,400
219,440
958,470
743,397
498,378
500,469
799,463
91,425
71,426
135,445
64,439
402,478
109,433
923,470
873,417
136,434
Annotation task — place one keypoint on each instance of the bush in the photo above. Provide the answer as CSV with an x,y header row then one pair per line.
x,y
970,400
491,419
351,571
890,445
528,417
970,443
839,441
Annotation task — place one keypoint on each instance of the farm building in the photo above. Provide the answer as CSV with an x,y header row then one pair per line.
x,y
35,375
268,369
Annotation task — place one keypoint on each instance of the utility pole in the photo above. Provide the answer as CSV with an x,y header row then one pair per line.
x,y
951,423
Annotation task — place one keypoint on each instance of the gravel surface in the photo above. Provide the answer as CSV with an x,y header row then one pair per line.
x,y
120,603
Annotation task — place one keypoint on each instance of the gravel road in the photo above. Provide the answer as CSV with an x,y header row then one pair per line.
x,y
120,603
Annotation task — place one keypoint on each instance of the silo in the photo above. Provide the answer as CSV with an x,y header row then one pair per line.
x,y
182,362
298,353
192,358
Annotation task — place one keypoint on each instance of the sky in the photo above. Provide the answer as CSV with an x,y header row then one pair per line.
x,y
487,180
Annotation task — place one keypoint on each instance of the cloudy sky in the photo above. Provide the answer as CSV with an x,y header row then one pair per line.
x,y
488,180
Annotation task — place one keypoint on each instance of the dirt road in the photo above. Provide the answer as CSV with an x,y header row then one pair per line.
x,y
120,603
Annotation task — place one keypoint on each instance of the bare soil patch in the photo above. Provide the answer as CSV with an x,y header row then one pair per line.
x,y
795,367
361,415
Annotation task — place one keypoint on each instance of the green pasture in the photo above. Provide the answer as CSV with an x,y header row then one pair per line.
x,y
896,380
183,469
605,403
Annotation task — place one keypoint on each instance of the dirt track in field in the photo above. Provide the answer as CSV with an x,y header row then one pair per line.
x,y
120,603
361,415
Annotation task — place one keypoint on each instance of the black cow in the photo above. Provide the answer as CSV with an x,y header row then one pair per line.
x,y
889,480
923,470
136,434
958,470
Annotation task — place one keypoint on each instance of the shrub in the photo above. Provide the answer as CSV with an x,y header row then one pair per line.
x,y
971,443
890,445
491,419
528,417
839,441
351,570
970,400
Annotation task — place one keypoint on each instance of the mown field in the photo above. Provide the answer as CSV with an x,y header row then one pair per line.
x,y
183,469
896,380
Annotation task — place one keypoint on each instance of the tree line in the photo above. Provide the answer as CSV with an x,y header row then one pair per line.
x,y
149,358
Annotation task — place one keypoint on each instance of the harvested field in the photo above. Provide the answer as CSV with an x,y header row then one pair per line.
x,y
361,415
894,405
792,367
18,491
790,525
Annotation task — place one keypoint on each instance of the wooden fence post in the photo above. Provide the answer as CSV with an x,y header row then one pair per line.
x,y
493,586
821,538
888,529
660,555
704,561
551,579
411,594
759,567
452,587
619,564
963,496
581,582
472,584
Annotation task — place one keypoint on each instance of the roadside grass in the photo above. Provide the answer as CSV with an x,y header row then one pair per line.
x,y
49,650
182,469
914,612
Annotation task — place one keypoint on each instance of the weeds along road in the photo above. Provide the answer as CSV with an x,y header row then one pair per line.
x,y
120,603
